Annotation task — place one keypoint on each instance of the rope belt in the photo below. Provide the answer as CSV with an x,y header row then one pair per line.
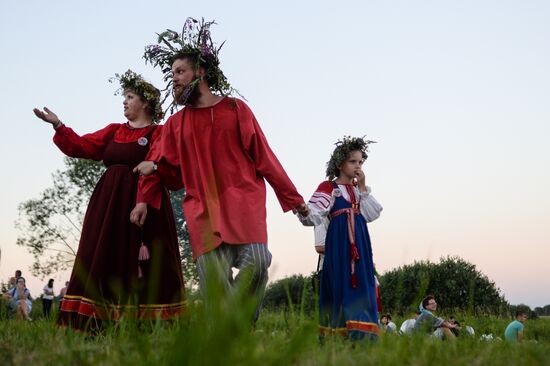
x,y
354,253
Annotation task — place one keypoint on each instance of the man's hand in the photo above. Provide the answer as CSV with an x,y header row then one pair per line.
x,y
145,168
320,249
302,209
138,214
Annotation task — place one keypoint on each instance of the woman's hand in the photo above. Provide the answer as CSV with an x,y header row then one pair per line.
x,y
138,214
47,116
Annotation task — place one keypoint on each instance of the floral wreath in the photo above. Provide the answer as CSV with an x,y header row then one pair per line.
x,y
135,82
194,41
343,148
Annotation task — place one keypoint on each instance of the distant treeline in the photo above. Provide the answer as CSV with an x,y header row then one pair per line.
x,y
458,286
542,311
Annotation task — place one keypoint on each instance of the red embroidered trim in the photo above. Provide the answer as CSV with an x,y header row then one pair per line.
x,y
86,307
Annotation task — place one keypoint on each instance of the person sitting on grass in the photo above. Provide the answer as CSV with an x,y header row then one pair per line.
x,y
461,330
456,331
407,327
514,330
386,325
20,299
428,323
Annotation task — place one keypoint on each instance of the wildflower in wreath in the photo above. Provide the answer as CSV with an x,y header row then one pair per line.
x,y
194,43
216,149
342,151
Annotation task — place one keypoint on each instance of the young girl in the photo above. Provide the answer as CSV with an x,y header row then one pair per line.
x,y
340,209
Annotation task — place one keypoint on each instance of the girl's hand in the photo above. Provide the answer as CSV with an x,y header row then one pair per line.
x,y
361,180
47,116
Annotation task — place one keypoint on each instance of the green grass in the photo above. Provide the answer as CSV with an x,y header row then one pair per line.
x,y
223,336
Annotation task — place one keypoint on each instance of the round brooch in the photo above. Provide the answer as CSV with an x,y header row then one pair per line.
x,y
142,141
337,192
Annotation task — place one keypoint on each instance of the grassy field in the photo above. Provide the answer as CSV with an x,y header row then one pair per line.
x,y
223,336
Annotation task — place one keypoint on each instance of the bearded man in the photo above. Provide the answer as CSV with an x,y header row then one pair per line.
x,y
216,150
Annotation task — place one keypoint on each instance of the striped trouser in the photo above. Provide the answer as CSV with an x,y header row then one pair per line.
x,y
252,261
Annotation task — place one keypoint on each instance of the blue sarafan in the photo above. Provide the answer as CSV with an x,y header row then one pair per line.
x,y
347,300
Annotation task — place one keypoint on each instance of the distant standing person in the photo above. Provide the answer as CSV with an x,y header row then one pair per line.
x,y
62,293
47,298
514,330
13,280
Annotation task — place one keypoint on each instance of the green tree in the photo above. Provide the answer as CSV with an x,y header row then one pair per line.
x,y
50,225
190,274
531,314
542,311
457,285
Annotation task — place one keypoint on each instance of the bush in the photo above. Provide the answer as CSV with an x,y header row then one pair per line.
x,y
290,294
457,285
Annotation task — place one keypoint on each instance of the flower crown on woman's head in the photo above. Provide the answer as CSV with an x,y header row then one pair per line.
x,y
134,82
196,43
343,148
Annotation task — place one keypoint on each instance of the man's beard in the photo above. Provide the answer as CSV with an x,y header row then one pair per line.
x,y
188,95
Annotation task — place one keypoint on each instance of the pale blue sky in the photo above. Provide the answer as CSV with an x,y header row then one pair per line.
x,y
455,92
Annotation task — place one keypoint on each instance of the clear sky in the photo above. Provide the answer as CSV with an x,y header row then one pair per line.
x,y
455,92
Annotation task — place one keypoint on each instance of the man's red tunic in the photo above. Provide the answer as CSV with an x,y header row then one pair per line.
x,y
221,156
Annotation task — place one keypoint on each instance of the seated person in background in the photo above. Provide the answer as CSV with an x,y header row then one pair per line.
x,y
386,325
469,330
428,323
456,331
514,330
461,329
408,325
20,299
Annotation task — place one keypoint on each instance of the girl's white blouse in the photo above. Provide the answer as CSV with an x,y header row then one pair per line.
x,y
321,203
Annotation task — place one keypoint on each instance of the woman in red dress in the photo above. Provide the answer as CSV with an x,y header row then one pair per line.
x,y
119,266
